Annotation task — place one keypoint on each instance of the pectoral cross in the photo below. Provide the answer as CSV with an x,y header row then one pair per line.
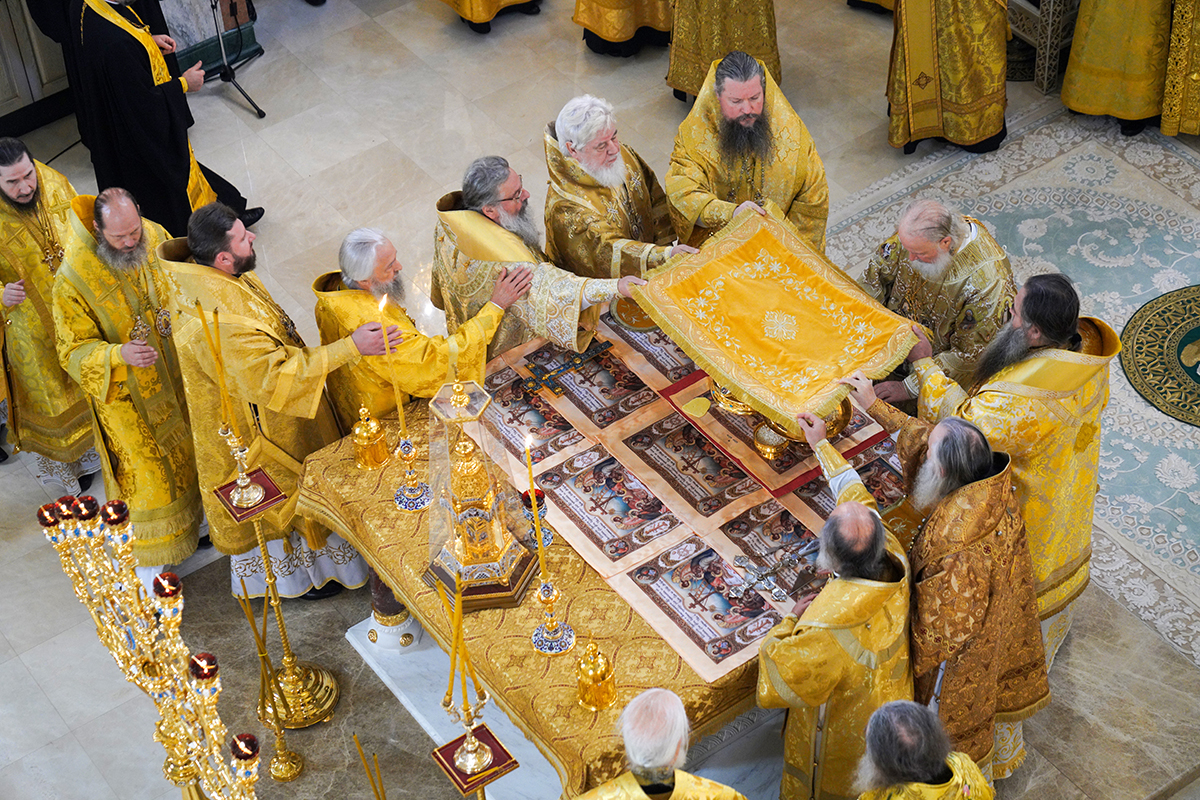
x,y
765,576
545,378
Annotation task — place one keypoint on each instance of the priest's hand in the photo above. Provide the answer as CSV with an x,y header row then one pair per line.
x,y
195,77
138,354
681,248
368,338
165,43
513,284
628,281
14,293
749,205
813,428
922,349
892,392
802,604
861,389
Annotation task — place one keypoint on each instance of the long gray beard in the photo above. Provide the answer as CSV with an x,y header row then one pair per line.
x,y
737,141
868,777
121,259
609,177
394,290
1010,346
936,269
522,225
929,487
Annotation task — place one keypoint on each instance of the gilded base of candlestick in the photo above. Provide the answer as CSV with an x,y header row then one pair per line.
x,y
311,693
553,637
247,495
474,756
286,766
413,495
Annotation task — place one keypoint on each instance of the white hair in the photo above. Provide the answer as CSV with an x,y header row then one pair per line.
x,y
655,728
581,119
359,252
931,221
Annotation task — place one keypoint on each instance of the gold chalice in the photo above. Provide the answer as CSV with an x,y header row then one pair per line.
x,y
727,402
835,423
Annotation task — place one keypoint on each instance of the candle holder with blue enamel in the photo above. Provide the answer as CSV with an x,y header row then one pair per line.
x,y
554,636
530,540
413,495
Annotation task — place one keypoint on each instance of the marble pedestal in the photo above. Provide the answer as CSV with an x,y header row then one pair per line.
x,y
746,754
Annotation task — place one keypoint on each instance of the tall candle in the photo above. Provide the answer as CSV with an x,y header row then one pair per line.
x,y
462,635
213,337
387,354
452,615
537,517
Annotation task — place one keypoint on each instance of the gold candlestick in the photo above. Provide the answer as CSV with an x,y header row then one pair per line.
x,y
246,494
554,636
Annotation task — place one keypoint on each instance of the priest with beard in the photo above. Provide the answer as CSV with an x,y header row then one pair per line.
x,y
945,271
275,389
369,288
485,231
976,643
133,112
606,214
1037,394
743,147
114,338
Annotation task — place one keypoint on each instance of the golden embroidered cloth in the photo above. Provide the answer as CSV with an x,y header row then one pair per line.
x,y
704,189
705,31
844,657
773,320
619,20
47,412
470,251
1181,95
963,310
687,787
973,605
276,384
1045,413
966,783
948,70
599,232
139,413
480,11
418,367
539,694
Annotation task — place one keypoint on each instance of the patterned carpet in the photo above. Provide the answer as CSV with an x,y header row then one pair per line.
x,y
1118,215
1161,356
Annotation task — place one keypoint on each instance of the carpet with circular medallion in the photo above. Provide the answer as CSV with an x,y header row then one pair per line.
x,y
1162,353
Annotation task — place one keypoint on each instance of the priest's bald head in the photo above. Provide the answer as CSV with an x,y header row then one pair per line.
x,y
854,543
120,233
218,239
586,130
494,189
368,261
741,86
18,175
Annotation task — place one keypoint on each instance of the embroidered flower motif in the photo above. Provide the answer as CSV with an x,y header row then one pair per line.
x,y
777,325
1176,472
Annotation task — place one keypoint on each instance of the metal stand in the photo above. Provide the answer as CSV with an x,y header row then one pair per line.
x,y
226,71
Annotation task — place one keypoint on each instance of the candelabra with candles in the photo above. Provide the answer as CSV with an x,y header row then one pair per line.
x,y
554,636
303,693
141,632
413,494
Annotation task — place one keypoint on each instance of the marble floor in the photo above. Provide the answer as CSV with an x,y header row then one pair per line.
x,y
374,108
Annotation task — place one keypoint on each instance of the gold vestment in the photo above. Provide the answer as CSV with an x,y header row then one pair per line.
x,y
598,232
966,783
973,603
469,253
843,658
619,20
963,310
1181,96
47,412
420,364
703,189
139,413
1045,413
687,787
277,386
707,30
480,11
948,70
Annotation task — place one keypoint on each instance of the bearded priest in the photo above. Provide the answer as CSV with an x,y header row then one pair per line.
x,y
1037,394
418,364
113,328
743,147
484,231
606,214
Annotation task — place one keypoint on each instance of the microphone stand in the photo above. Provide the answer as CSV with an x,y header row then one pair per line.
x,y
226,70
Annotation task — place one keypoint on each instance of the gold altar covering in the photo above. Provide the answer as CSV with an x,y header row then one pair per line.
x,y
538,693
773,320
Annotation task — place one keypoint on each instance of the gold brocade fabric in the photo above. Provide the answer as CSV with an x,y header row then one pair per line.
x,y
706,30
704,189
48,413
277,386
768,317
538,694
973,602
967,783
1118,61
1045,413
470,251
619,20
598,232
1181,95
140,413
948,70
480,10
843,658
687,787
419,366
963,310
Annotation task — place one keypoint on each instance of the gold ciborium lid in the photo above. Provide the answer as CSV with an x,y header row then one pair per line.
x,y
593,666
367,430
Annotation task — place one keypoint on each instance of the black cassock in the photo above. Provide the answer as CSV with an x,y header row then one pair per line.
x,y
137,132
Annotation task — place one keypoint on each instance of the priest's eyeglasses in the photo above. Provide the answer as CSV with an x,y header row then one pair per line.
x,y
517,196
